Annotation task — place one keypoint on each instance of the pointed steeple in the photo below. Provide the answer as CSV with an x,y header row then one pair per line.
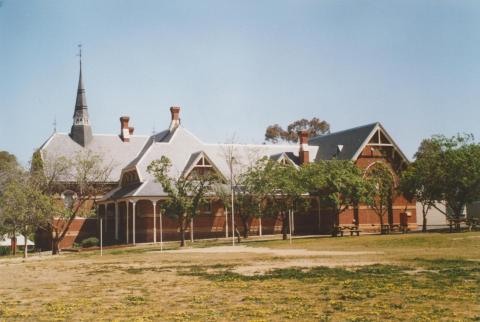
x,y
81,131
81,102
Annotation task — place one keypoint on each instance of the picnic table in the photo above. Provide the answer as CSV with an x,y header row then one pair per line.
x,y
385,229
340,230
455,223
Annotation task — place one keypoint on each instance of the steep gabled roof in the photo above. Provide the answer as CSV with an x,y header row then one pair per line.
x,y
111,148
348,144
192,162
352,141
184,149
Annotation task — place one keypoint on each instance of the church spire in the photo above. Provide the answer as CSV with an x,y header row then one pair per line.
x,y
81,131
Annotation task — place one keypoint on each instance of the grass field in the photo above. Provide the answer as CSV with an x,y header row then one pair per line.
x,y
413,277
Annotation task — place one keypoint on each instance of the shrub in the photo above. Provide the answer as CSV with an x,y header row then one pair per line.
x,y
90,242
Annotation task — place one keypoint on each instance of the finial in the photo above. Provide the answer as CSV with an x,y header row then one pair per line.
x,y
54,124
153,130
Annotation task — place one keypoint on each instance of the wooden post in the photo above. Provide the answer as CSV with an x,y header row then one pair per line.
x,y
101,236
154,221
128,224
226,222
191,230
133,224
293,222
260,232
161,232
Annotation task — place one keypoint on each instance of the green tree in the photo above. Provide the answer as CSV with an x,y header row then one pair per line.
x,y
246,202
418,183
7,160
456,168
281,187
315,127
9,170
380,188
338,183
24,208
186,194
73,185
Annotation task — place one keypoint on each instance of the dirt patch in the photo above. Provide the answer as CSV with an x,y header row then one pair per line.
x,y
310,258
270,251
265,267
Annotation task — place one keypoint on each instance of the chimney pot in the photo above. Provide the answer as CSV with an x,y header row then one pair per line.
x,y
125,130
175,112
304,151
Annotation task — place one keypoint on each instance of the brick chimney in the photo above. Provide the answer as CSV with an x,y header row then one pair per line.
x,y
175,122
125,130
303,153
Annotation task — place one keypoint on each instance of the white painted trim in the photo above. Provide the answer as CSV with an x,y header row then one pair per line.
x,y
186,171
379,127
395,145
365,142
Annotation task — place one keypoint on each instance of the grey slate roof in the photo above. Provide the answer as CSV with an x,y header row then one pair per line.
x,y
181,147
351,139
113,150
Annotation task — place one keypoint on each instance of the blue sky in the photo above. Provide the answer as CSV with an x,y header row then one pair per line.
x,y
238,66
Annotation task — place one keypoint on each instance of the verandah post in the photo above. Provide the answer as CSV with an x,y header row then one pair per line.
x,y
154,202
128,230
133,224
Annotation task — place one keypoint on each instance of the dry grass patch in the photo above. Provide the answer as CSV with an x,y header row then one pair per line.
x,y
371,278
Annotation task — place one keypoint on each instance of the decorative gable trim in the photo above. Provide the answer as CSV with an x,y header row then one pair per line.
x,y
379,129
284,159
198,157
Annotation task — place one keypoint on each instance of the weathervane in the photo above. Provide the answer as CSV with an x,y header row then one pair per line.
x,y
80,53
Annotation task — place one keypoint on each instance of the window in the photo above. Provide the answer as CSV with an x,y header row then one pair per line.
x,y
129,178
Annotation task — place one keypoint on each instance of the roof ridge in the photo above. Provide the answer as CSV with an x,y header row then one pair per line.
x,y
133,135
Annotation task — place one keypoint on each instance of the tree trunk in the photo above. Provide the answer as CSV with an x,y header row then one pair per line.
x,y
246,227
13,245
237,233
382,231
182,233
25,244
55,246
284,225
424,223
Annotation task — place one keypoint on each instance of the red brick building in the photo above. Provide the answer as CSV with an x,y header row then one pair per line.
x,y
131,210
